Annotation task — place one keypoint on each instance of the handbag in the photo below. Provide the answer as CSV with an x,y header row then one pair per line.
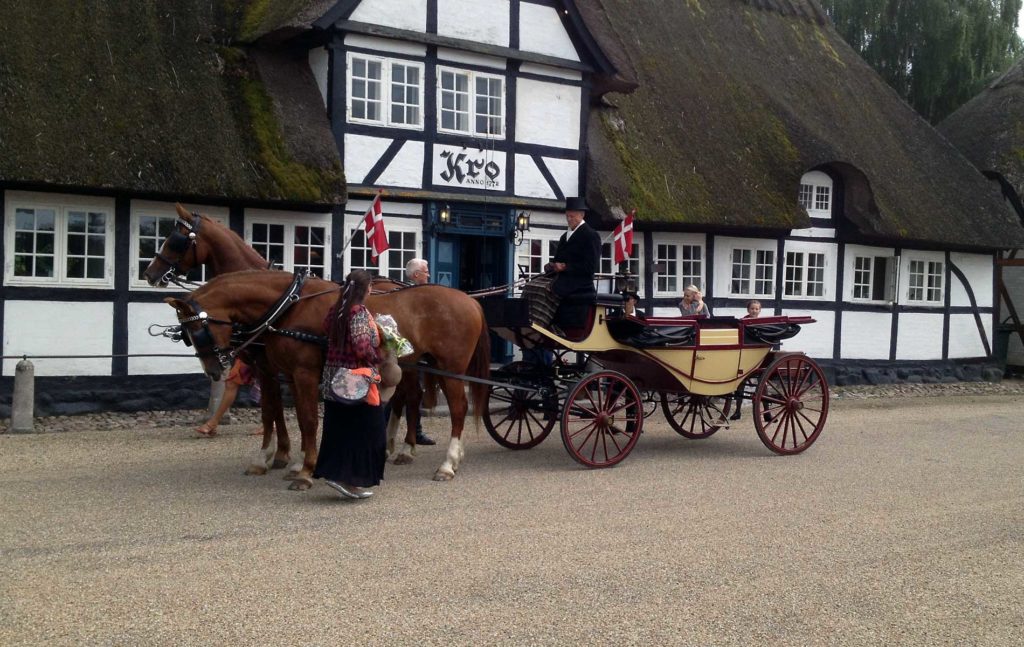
x,y
349,385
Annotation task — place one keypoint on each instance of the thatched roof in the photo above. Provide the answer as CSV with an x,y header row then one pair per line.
x,y
161,98
738,98
989,129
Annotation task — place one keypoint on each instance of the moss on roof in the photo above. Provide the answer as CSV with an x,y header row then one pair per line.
x,y
989,129
737,99
150,97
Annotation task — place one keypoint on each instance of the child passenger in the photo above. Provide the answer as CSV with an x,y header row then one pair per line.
x,y
753,312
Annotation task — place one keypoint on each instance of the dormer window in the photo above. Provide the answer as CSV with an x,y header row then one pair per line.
x,y
816,194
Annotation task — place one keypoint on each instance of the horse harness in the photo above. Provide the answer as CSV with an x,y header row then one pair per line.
x,y
242,335
181,244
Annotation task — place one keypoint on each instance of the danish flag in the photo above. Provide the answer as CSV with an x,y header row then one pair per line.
x,y
373,224
624,238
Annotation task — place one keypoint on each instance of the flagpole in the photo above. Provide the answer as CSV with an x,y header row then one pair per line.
x,y
380,193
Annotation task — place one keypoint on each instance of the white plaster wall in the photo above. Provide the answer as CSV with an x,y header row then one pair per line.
x,y
814,232
407,167
482,21
385,44
530,181
980,274
541,31
470,58
866,335
566,174
964,338
361,153
140,316
666,312
548,113
919,337
318,58
400,14
59,328
816,339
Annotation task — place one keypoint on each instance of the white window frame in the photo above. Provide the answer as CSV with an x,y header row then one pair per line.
x,y
852,253
929,259
387,72
472,77
753,246
549,239
161,210
291,220
679,241
818,183
61,205
636,262
393,223
828,280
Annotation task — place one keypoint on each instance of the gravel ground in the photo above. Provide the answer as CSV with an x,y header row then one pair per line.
x,y
250,416
900,526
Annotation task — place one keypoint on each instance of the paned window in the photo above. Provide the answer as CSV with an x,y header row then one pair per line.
x,y
151,233
805,274
677,265
401,250
753,272
873,278
806,198
533,254
608,265
60,245
815,194
291,246
472,103
385,92
925,281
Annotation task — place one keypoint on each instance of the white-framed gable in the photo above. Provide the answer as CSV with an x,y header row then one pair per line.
x,y
399,14
541,31
489,23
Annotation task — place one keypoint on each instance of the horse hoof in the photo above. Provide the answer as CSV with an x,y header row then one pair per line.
x,y
290,476
443,476
301,484
279,463
255,470
403,459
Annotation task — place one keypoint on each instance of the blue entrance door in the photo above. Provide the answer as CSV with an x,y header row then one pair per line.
x,y
446,265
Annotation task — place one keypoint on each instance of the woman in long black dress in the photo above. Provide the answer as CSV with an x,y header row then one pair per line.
x,y
353,448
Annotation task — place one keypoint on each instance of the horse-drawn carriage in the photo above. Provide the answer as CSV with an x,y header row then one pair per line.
x,y
624,364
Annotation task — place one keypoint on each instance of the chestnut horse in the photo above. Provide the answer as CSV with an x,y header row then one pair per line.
x,y
441,323
200,240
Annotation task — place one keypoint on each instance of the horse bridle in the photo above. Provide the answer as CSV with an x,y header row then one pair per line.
x,y
181,243
241,335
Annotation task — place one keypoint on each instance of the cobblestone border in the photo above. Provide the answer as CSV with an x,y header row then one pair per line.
x,y
188,419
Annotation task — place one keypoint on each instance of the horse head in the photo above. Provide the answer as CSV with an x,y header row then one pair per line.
x,y
180,252
208,335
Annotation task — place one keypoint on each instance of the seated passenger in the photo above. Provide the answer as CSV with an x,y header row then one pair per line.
x,y
693,302
629,306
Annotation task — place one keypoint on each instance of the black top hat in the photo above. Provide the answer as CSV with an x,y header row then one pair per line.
x,y
575,204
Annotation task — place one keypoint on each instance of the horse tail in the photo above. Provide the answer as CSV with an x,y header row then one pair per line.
x,y
480,367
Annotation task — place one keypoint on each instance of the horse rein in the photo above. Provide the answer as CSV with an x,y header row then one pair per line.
x,y
181,244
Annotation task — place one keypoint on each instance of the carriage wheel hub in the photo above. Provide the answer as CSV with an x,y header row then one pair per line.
x,y
794,404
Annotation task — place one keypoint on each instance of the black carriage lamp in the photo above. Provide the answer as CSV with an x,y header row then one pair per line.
x,y
522,224
445,216
625,282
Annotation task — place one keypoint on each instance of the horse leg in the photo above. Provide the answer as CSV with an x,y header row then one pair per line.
x,y
458,404
270,410
394,422
305,392
411,395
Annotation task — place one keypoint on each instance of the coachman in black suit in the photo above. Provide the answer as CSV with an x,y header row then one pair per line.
x,y
575,263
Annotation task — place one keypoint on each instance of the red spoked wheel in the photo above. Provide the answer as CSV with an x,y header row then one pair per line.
x,y
602,419
790,404
695,416
516,418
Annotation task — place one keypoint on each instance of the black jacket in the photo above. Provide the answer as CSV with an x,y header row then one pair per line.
x,y
581,255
